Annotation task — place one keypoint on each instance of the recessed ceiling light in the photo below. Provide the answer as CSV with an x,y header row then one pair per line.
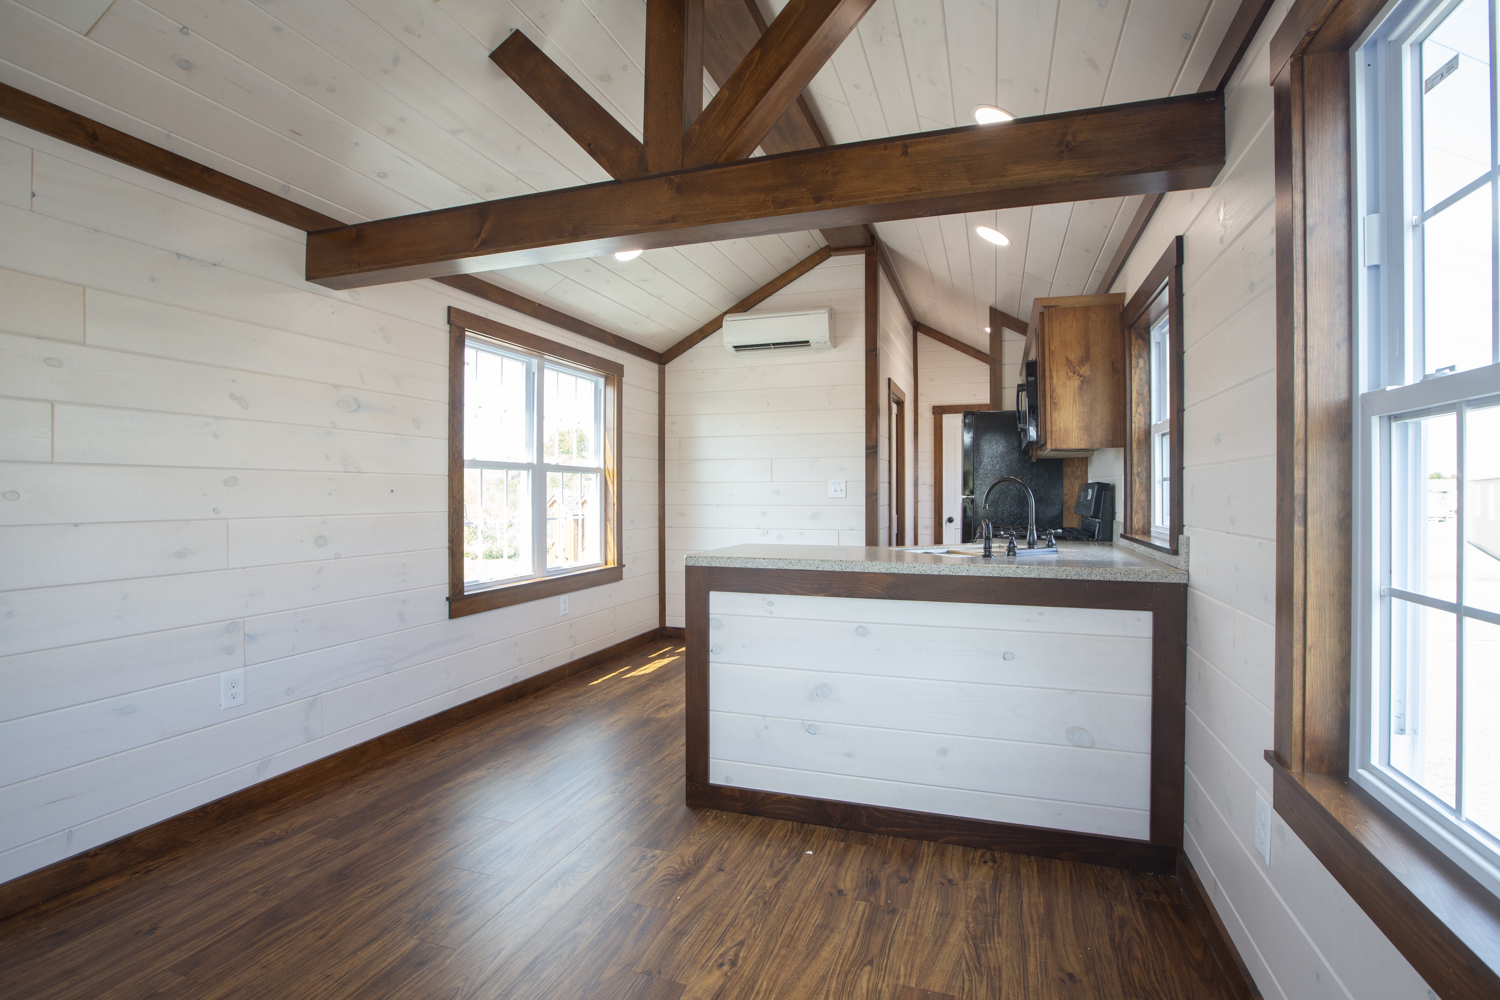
x,y
993,235
988,114
629,254
986,329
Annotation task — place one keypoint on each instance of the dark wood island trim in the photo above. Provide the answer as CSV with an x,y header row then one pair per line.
x,y
1167,603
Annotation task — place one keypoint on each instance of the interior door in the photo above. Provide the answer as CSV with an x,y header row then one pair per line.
x,y
950,518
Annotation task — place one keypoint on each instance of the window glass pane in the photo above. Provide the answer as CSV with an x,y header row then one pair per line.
x,y
497,524
1424,505
574,519
1424,696
571,435
1482,510
1160,372
1481,730
1455,94
1458,268
496,423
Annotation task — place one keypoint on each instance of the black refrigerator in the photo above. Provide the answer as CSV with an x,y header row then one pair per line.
x,y
992,450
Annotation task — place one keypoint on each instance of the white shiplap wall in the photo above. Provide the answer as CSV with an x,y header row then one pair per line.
x,y
1298,930
753,441
207,464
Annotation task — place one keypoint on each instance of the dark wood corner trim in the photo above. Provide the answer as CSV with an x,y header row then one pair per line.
x,y
661,493
1231,964
873,401
136,854
955,343
532,590
984,835
1441,920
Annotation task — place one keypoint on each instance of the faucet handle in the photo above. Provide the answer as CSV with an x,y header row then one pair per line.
x,y
1010,548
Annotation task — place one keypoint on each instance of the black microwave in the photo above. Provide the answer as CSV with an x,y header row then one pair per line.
x,y
1026,408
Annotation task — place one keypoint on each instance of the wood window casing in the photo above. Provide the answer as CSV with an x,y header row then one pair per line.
x,y
1159,295
461,325
897,463
1438,916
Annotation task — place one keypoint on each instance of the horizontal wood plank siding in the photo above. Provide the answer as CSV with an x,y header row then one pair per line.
x,y
210,465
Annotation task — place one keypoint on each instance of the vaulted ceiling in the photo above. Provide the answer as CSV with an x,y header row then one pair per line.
x,y
366,109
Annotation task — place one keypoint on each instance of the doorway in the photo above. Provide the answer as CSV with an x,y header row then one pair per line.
x,y
896,532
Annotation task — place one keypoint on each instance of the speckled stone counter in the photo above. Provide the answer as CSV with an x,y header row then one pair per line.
x,y
1073,561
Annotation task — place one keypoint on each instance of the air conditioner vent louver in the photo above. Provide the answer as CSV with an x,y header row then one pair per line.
x,y
806,329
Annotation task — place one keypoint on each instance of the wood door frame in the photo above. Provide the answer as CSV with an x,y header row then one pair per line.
x,y
896,421
939,411
1167,603
1159,295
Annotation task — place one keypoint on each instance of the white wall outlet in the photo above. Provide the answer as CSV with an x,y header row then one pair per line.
x,y
232,689
836,489
562,605
1263,828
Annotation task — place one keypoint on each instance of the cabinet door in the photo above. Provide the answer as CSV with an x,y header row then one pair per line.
x,y
1082,372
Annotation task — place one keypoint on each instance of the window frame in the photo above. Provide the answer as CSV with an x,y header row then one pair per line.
x,y
1159,296
462,326
1390,384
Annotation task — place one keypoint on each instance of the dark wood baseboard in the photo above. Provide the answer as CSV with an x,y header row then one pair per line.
x,y
672,632
1231,964
145,850
1112,852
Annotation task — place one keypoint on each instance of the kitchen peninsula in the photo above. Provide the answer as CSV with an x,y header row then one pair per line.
x,y
1031,704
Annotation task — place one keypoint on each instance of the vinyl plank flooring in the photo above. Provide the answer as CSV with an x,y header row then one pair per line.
x,y
544,850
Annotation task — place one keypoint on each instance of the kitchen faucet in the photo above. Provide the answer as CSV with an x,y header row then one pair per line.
x,y
1030,515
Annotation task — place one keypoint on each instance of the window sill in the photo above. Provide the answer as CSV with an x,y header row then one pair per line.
x,y
1444,923
1159,543
505,595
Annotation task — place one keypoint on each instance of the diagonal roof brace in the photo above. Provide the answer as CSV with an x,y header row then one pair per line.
x,y
1170,144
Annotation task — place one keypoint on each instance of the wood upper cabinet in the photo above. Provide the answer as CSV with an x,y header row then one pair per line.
x,y
1078,343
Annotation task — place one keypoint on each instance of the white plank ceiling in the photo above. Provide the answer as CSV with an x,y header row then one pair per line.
x,y
366,109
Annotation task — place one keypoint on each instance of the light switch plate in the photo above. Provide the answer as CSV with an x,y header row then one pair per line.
x,y
1263,828
837,489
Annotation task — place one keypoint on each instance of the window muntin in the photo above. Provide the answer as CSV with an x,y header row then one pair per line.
x,y
533,466
1427,718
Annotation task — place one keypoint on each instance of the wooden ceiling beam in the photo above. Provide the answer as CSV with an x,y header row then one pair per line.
x,y
782,61
955,343
730,30
570,106
1008,322
1163,145
749,302
674,78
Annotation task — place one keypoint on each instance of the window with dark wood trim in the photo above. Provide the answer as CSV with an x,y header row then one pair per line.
x,y
1441,919
1153,405
533,467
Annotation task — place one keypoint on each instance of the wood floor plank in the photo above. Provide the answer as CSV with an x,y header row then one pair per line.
x,y
544,850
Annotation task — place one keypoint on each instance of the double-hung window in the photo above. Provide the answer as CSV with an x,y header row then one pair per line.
x,y
1426,722
1161,431
533,466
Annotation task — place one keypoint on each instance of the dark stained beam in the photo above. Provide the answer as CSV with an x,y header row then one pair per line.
x,y
955,343
674,78
60,123
1008,322
730,30
576,113
1164,145
480,288
749,302
770,77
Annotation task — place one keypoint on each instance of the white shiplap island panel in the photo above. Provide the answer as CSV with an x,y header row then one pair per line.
x,y
1037,716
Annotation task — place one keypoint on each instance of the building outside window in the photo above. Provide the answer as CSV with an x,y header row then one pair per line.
x,y
1426,723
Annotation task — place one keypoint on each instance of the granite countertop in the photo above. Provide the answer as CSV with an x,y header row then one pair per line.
x,y
1072,561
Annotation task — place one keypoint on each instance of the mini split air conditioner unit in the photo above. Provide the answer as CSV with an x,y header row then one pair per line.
x,y
807,329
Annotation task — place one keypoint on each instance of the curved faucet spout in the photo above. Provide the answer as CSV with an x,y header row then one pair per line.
x,y
1030,506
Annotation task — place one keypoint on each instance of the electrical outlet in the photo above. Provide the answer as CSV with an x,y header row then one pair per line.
x,y
836,489
1263,828
232,689
562,605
